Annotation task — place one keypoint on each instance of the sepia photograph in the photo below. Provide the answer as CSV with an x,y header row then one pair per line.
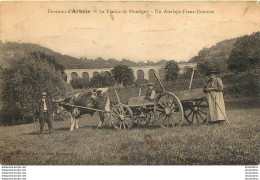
x,y
129,83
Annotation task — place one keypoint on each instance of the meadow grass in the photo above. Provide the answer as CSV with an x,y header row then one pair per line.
x,y
183,145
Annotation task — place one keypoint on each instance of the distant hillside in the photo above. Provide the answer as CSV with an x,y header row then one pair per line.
x,y
225,55
220,51
8,49
217,54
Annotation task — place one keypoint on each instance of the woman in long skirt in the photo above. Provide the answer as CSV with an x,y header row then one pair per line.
x,y
214,90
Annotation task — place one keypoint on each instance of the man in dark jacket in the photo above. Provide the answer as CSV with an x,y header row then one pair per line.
x,y
45,111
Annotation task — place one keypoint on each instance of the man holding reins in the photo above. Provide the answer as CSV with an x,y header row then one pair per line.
x,y
44,111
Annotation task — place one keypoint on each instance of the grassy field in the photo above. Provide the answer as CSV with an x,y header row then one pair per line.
x,y
184,145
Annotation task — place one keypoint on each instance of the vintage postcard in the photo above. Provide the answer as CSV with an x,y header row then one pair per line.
x,y
129,83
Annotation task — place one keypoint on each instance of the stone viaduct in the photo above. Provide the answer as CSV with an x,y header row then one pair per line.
x,y
145,72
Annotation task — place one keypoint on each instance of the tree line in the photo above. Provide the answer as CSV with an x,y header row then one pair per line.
x,y
235,55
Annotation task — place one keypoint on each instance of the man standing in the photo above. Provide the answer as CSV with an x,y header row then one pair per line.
x,y
45,112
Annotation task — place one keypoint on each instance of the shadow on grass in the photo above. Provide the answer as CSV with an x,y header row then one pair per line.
x,y
32,133
36,133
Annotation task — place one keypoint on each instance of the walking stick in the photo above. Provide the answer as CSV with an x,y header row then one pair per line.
x,y
214,99
159,82
191,79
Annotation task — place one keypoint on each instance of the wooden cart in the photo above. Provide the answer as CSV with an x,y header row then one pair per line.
x,y
168,109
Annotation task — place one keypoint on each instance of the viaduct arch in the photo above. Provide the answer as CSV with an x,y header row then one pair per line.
x,y
145,72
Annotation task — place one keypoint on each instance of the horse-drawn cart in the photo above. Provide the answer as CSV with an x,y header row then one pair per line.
x,y
168,109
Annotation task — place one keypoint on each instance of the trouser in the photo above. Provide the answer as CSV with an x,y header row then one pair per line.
x,y
43,119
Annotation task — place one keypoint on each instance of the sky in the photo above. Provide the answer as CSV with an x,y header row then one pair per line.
x,y
139,37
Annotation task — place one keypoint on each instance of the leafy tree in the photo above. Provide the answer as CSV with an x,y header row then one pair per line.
x,y
123,74
245,56
50,59
22,84
97,81
108,79
171,70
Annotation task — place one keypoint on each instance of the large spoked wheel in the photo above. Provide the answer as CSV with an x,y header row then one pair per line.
x,y
197,112
121,117
168,110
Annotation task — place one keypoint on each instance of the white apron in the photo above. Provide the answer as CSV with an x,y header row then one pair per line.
x,y
215,113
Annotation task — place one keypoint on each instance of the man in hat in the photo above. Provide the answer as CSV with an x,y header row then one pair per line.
x,y
45,111
149,97
214,90
150,94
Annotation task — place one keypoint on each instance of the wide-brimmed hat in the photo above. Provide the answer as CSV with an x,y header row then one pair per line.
x,y
44,93
211,71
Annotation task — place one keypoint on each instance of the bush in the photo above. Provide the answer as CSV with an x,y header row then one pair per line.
x,y
241,85
22,84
